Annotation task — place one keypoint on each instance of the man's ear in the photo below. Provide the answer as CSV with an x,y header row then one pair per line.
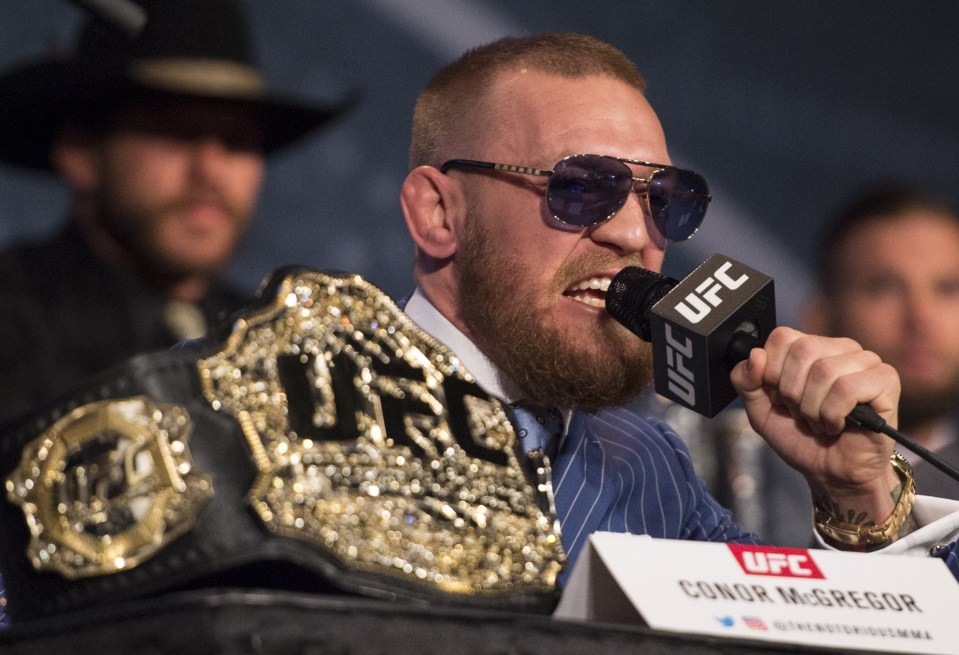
x,y
433,206
74,155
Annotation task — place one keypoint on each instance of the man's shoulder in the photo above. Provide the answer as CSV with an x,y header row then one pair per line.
x,y
50,261
26,270
23,252
27,259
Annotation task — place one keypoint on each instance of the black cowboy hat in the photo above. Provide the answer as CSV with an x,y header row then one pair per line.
x,y
186,48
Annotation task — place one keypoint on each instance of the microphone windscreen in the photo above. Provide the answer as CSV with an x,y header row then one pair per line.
x,y
632,293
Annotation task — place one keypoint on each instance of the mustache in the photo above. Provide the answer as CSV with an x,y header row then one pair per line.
x,y
572,270
208,196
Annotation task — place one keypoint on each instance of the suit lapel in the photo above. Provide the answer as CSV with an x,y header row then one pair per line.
x,y
582,486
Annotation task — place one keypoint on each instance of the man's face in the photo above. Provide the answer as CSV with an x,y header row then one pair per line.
x,y
177,183
532,295
898,295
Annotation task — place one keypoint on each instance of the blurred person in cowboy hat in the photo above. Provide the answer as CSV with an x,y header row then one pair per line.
x,y
161,136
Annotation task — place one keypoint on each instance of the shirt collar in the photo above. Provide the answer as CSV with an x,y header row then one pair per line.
x,y
487,375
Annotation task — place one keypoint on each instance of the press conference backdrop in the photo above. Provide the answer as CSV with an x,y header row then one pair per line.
x,y
784,107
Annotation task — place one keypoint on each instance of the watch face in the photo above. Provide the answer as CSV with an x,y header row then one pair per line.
x,y
869,536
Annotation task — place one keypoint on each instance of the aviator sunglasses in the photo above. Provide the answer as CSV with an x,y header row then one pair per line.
x,y
586,190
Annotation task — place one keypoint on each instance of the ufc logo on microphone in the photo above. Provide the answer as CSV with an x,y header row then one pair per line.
x,y
681,380
778,562
707,293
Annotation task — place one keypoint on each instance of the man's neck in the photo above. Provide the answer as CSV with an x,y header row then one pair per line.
x,y
181,288
187,290
487,374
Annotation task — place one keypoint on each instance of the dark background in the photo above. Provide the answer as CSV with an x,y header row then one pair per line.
x,y
784,107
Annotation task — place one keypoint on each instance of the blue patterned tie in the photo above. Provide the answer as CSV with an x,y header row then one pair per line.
x,y
538,427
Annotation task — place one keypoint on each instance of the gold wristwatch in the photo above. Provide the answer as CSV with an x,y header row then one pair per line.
x,y
869,535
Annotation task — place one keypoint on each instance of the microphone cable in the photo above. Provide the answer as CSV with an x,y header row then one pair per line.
x,y
864,416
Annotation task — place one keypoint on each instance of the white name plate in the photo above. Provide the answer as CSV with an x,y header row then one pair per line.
x,y
889,603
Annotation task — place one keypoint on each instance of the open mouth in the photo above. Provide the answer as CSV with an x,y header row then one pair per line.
x,y
206,216
591,291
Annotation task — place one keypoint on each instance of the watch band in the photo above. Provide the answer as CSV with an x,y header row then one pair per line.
x,y
871,535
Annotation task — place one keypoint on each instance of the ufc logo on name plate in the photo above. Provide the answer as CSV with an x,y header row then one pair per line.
x,y
778,562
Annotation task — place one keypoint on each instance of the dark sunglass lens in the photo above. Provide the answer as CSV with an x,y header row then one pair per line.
x,y
586,189
677,202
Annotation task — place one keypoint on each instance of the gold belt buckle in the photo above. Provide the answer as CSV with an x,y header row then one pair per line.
x,y
107,486
375,444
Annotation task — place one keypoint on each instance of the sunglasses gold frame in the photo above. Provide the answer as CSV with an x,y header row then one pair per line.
x,y
640,185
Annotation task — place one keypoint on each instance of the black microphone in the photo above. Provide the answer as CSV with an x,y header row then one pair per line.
x,y
701,327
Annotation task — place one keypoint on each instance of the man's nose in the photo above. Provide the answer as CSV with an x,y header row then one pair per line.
x,y
210,155
630,230
922,307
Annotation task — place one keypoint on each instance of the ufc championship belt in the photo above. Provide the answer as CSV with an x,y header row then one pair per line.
x,y
321,442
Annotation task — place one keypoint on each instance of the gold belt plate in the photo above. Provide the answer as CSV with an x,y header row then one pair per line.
x,y
107,486
374,443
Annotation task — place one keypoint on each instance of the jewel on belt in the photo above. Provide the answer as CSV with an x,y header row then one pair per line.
x,y
107,486
375,444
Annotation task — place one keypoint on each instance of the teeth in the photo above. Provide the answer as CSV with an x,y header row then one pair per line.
x,y
590,300
593,283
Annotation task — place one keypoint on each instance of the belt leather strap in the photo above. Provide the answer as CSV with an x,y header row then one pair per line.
x,y
320,440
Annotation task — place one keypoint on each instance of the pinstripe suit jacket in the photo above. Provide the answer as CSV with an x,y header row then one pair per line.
x,y
620,471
